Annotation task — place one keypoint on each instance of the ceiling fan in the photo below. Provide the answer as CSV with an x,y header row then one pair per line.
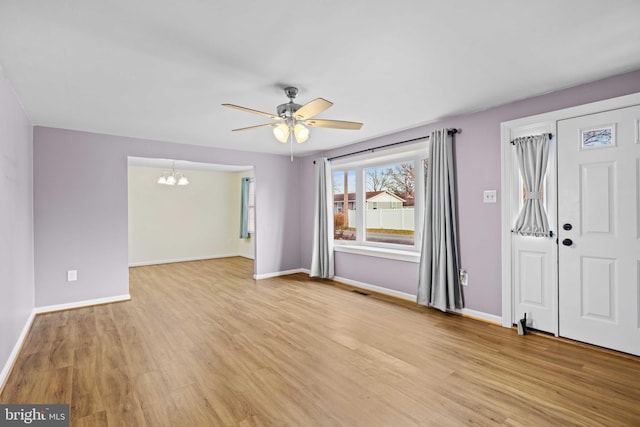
x,y
293,119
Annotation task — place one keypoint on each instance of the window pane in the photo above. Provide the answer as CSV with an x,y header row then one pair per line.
x,y
252,208
389,216
597,137
344,195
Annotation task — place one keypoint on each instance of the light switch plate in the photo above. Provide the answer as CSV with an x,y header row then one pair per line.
x,y
72,275
489,196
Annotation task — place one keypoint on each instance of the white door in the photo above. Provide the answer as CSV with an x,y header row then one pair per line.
x,y
599,229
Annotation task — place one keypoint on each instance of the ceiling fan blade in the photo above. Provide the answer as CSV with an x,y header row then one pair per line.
x,y
257,126
312,108
249,110
334,124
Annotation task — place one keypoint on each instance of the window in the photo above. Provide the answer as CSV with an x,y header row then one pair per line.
x,y
344,194
378,199
252,208
247,208
598,137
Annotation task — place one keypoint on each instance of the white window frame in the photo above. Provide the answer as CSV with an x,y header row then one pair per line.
x,y
417,153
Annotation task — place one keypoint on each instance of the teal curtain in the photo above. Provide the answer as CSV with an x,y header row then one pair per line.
x,y
244,208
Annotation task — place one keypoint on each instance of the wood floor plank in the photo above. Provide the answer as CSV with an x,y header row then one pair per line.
x,y
203,344
99,419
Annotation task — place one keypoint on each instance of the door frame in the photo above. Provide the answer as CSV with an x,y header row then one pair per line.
x,y
508,186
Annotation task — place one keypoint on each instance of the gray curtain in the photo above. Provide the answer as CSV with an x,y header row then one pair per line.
x,y
244,208
532,153
322,257
439,280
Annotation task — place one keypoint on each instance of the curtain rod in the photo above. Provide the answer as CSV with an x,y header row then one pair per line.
x,y
529,136
371,150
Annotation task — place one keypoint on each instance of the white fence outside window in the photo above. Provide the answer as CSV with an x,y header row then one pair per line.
x,y
390,219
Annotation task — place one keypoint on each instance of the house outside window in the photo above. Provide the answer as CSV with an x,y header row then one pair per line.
x,y
391,196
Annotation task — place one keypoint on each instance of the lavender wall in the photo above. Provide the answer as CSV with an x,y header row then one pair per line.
x,y
80,203
80,209
16,220
478,168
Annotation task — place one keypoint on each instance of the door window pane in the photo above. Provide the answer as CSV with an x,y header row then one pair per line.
x,y
597,137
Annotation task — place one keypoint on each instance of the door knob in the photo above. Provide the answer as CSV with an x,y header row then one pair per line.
x,y
567,227
567,242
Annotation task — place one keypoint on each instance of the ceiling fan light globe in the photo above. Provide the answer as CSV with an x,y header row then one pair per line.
x,y
281,132
183,180
162,180
301,133
171,180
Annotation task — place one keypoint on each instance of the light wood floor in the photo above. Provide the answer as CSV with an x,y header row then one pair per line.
x,y
202,344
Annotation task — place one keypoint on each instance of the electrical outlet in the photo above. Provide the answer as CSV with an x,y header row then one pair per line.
x,y
464,277
489,196
72,275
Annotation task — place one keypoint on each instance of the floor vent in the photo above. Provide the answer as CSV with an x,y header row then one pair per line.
x,y
358,291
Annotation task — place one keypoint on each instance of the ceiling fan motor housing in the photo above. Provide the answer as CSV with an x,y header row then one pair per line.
x,y
287,110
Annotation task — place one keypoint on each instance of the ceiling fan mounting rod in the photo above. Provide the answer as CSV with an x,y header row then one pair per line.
x,y
291,92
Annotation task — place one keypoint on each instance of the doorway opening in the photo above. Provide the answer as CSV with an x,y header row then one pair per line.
x,y
195,221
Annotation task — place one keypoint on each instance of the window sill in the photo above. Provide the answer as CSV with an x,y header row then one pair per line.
x,y
396,254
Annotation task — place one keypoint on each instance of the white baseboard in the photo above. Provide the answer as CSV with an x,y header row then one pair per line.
x,y
277,274
379,289
6,370
170,261
80,304
491,318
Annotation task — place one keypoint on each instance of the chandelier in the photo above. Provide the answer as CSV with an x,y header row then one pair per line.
x,y
173,177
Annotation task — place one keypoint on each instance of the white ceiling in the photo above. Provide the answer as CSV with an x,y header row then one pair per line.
x,y
161,69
